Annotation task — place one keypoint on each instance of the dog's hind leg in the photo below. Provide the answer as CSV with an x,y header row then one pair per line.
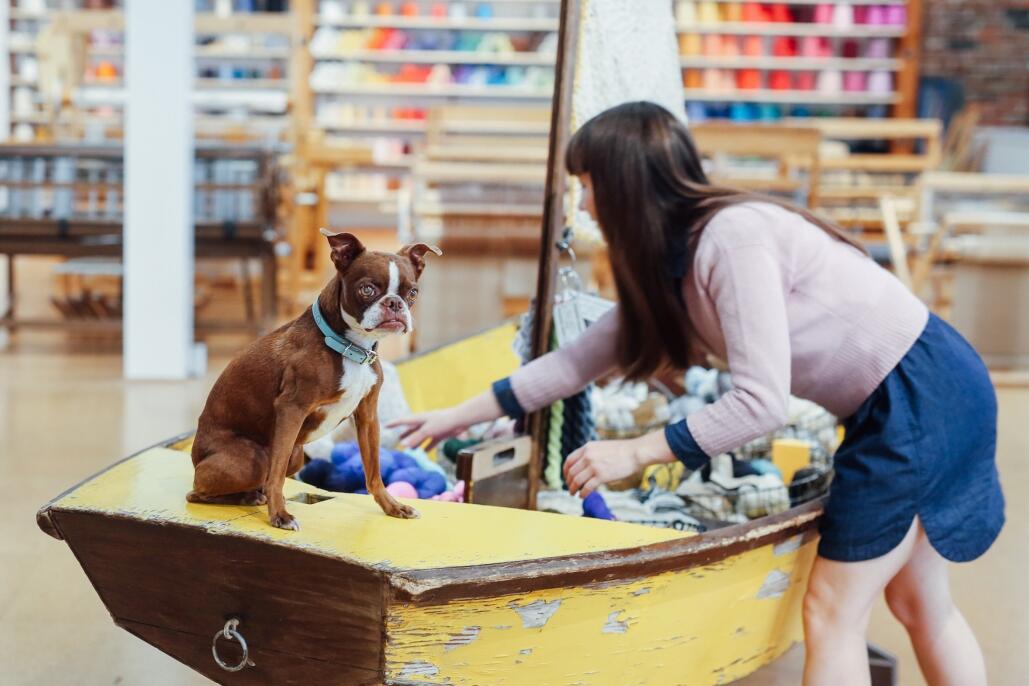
x,y
234,475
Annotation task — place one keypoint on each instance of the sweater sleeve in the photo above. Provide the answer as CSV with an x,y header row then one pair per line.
x,y
745,283
564,372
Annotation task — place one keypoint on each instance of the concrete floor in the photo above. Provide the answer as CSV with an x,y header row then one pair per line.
x,y
65,413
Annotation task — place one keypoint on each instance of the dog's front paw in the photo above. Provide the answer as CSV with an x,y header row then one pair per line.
x,y
402,511
285,521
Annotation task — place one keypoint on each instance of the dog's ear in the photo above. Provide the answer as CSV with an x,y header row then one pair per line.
x,y
416,253
345,248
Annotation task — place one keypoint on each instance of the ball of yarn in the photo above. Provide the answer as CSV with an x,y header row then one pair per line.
x,y
411,475
763,466
404,461
342,452
361,491
352,474
595,507
452,446
402,489
433,484
315,472
336,481
387,463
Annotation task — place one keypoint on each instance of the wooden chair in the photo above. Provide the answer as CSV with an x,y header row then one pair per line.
x,y
853,183
792,149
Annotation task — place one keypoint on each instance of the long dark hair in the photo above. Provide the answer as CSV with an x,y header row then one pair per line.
x,y
653,201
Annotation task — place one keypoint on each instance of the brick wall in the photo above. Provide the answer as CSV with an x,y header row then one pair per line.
x,y
984,45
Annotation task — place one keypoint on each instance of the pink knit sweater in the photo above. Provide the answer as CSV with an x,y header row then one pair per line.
x,y
789,307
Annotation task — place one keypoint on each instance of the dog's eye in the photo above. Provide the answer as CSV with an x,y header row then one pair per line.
x,y
412,294
367,290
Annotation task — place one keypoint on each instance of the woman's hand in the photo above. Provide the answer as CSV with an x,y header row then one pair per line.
x,y
435,426
601,462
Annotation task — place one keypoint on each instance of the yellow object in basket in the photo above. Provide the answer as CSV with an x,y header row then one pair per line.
x,y
789,455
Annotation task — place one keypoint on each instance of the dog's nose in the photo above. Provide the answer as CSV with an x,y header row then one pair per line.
x,y
394,304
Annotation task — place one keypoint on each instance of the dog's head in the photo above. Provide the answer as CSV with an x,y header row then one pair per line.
x,y
378,289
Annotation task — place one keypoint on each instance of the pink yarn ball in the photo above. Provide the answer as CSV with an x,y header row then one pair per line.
x,y
402,489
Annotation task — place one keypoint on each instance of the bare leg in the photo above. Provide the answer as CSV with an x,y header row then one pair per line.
x,y
919,597
837,608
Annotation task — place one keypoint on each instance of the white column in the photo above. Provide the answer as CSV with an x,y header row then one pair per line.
x,y
158,255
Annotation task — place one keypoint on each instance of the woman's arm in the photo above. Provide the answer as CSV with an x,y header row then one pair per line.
x,y
556,375
565,372
745,283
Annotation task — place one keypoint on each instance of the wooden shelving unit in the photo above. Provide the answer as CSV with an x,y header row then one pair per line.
x,y
236,46
900,63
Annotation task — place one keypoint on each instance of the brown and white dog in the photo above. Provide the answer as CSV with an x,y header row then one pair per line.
x,y
290,387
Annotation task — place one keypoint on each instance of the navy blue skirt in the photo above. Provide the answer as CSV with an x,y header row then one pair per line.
x,y
922,444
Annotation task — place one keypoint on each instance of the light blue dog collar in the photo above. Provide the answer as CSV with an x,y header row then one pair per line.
x,y
348,349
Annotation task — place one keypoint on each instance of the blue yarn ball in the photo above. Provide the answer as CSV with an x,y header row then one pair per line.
x,y
315,472
433,484
352,474
594,506
361,491
341,452
412,475
404,461
387,463
337,481
762,466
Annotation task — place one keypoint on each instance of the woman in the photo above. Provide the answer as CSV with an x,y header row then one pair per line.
x,y
794,306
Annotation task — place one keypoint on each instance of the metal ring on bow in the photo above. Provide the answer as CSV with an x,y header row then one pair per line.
x,y
229,633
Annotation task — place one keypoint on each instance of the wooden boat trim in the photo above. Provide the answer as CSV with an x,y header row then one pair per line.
x,y
44,517
432,586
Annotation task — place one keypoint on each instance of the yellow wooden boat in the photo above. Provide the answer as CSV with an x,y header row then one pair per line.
x,y
468,594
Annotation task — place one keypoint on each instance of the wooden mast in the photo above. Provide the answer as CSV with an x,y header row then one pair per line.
x,y
553,217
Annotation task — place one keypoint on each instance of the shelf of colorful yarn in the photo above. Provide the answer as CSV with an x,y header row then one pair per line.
x,y
219,53
440,57
442,23
242,84
440,90
390,126
822,2
791,63
793,29
792,97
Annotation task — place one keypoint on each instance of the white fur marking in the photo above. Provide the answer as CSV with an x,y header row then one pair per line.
x,y
356,382
394,278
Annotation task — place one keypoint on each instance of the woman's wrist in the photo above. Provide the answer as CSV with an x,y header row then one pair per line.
x,y
481,408
652,448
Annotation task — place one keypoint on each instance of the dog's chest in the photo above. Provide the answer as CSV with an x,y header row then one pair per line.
x,y
356,381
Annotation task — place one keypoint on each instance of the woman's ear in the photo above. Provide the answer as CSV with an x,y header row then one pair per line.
x,y
416,253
